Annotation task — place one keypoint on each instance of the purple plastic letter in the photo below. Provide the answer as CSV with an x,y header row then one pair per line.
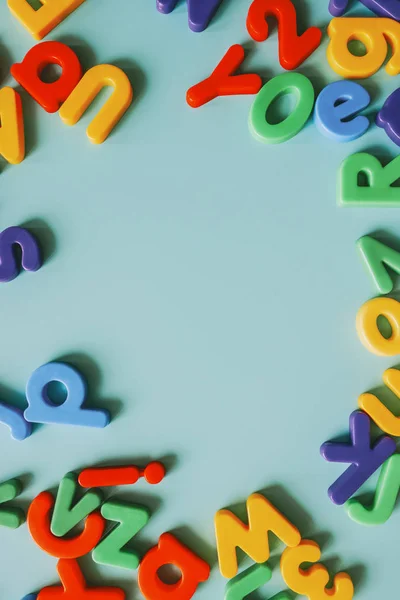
x,y
31,259
200,11
365,460
389,117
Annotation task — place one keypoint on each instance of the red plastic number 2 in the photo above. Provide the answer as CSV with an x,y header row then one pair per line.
x,y
293,48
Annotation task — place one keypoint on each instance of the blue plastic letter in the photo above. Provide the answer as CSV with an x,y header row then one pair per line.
x,y
329,114
14,419
42,410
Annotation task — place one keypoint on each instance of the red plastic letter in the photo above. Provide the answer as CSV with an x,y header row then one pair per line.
x,y
74,586
222,82
49,95
171,551
293,48
38,521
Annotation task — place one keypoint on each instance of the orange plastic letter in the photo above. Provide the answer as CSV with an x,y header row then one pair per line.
x,y
85,92
222,82
232,533
12,137
377,411
312,582
74,586
49,95
375,34
40,22
171,551
38,521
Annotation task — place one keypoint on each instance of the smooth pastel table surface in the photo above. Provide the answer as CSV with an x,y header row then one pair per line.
x,y
206,285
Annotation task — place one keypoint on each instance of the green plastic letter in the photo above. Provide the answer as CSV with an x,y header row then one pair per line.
x,y
287,83
378,192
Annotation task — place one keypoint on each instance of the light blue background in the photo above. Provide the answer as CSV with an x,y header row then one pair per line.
x,y
206,285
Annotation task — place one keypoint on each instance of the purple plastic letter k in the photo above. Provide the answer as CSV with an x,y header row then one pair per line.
x,y
200,11
365,460
338,7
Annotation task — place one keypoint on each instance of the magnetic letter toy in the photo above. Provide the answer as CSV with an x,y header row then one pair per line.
x,y
387,490
378,192
12,135
312,582
65,514
375,34
14,419
131,518
42,410
31,259
232,533
153,473
388,118
74,586
223,82
364,459
332,119
377,411
85,92
50,96
337,7
40,22
171,551
294,83
367,326
376,257
10,517
200,11
293,48
250,580
38,521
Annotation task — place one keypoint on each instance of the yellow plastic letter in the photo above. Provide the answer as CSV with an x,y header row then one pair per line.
x,y
375,34
312,582
40,22
232,533
382,416
367,326
12,137
87,89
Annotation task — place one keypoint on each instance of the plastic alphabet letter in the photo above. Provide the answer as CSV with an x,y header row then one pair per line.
x,y
376,256
74,586
10,517
303,90
12,135
66,515
364,459
378,192
42,410
40,22
387,490
312,582
375,34
232,533
31,259
131,518
367,326
377,411
388,118
250,580
200,11
293,48
85,92
333,120
50,96
38,521
222,81
14,419
171,551
382,8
